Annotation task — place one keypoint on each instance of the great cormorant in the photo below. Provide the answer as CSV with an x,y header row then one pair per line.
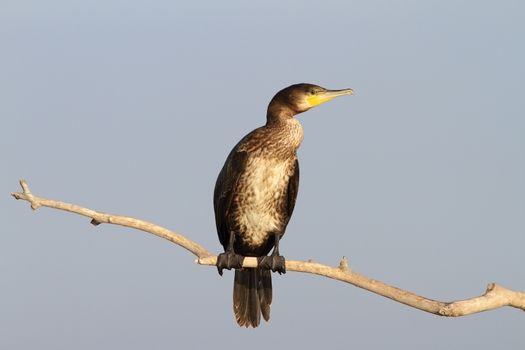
x,y
255,196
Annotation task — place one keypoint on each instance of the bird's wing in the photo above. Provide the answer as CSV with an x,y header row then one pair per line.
x,y
291,193
224,189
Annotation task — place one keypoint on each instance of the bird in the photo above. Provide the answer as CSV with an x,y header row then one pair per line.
x,y
255,195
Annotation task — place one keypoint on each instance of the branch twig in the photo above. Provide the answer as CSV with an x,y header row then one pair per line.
x,y
494,297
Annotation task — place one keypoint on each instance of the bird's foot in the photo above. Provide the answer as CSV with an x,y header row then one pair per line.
x,y
228,261
276,263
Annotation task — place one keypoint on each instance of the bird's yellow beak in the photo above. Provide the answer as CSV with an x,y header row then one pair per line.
x,y
327,95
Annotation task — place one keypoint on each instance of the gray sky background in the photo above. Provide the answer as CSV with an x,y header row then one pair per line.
x,y
131,107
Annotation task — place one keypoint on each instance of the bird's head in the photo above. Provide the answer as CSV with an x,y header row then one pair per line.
x,y
299,98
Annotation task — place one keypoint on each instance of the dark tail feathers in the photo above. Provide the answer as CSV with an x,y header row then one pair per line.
x,y
252,296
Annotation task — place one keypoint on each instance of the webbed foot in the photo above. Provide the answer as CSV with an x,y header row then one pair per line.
x,y
229,261
275,263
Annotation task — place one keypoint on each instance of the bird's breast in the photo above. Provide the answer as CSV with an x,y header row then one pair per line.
x,y
261,199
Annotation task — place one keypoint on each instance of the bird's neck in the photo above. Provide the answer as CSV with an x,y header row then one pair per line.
x,y
287,134
278,112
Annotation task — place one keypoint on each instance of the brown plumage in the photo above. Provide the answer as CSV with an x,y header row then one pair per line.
x,y
255,196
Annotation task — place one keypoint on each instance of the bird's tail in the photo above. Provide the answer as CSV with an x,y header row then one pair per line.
x,y
252,296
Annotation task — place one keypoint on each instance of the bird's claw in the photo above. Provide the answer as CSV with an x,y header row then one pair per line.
x,y
229,261
275,263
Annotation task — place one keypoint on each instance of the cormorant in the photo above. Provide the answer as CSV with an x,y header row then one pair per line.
x,y
255,196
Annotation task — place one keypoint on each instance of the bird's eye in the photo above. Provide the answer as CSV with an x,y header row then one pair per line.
x,y
312,92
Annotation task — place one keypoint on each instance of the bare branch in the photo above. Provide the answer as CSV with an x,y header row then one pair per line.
x,y
494,297
104,218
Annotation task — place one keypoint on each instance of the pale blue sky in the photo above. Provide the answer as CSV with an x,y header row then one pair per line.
x,y
131,107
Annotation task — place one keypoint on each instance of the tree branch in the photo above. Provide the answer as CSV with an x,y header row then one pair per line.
x,y
494,297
